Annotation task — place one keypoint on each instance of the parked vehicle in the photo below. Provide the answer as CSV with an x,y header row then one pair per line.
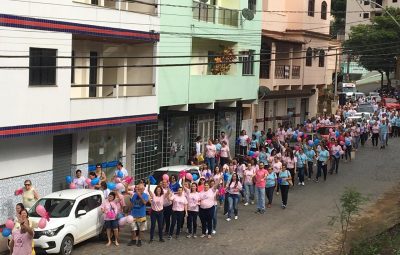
x,y
365,108
358,95
349,89
75,216
173,170
390,103
323,130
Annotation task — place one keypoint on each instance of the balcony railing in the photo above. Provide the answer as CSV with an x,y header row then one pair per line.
x,y
142,6
213,14
296,72
282,72
111,90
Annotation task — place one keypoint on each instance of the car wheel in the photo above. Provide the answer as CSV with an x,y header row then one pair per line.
x,y
67,245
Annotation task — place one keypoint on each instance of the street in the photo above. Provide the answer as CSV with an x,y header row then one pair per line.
x,y
296,230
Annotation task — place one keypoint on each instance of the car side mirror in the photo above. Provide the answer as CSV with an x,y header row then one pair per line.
x,y
81,213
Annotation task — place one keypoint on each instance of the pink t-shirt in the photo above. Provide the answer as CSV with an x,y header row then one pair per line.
x,y
178,203
277,166
290,162
193,201
217,177
260,178
234,190
248,175
207,198
157,203
22,243
224,152
167,202
111,206
211,150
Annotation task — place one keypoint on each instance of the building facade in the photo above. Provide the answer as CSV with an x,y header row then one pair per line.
x,y
79,89
197,99
294,61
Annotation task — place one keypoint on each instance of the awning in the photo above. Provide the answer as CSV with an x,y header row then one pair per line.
x,y
288,93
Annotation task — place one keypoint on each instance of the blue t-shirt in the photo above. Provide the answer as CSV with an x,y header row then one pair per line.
x,y
138,208
262,157
271,178
323,155
301,160
285,174
383,128
258,135
174,187
397,121
253,144
310,155
218,147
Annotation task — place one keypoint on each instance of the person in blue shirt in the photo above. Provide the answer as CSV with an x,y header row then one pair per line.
x,y
257,133
383,133
310,153
301,164
397,126
263,156
322,160
254,143
139,201
174,185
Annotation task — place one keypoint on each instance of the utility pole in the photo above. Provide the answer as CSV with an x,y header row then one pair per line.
x,y
336,73
348,68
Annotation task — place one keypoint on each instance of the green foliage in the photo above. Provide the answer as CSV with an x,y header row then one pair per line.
x,y
364,43
338,11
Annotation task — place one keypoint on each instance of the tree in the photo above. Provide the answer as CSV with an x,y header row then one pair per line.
x,y
338,11
375,45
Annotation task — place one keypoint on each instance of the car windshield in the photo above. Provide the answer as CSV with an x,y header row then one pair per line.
x,y
365,108
57,208
348,89
390,100
159,174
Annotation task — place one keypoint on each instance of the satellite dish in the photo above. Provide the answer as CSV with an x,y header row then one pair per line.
x,y
247,14
204,1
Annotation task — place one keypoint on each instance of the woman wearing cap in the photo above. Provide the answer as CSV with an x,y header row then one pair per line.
x,y
29,195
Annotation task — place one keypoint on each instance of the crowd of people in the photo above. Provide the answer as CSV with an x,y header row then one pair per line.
x,y
268,164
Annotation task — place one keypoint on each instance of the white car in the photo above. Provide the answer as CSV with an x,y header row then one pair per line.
x,y
174,170
75,216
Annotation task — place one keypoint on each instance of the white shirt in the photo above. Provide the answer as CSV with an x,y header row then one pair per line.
x,y
79,182
198,148
123,170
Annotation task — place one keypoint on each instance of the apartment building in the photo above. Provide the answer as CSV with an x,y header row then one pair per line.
x,y
294,67
201,99
75,92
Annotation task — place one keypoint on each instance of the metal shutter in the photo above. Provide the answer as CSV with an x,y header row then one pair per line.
x,y
62,156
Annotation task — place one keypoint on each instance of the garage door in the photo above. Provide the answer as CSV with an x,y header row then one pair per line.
x,y
62,156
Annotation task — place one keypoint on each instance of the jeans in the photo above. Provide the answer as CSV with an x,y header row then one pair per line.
x,y
363,138
159,218
233,204
285,193
270,193
356,141
321,166
243,150
310,169
301,174
226,203
192,222
215,216
206,216
224,161
249,192
177,217
347,153
167,211
335,164
383,138
375,139
211,163
260,198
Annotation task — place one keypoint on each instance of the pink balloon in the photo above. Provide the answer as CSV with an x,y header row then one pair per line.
x,y
299,139
300,134
72,186
165,177
189,177
120,186
9,224
305,136
128,179
41,211
110,214
19,192
122,221
182,174
42,223
129,219
88,181
296,147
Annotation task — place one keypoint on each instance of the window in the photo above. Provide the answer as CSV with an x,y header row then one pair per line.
x,y
394,1
88,204
311,8
309,57
366,15
324,9
42,66
321,62
366,2
252,4
73,67
248,63
57,208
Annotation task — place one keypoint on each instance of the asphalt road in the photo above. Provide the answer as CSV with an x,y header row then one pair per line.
x,y
296,230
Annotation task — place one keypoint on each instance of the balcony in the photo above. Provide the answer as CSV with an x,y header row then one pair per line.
x,y
143,6
282,72
215,14
111,90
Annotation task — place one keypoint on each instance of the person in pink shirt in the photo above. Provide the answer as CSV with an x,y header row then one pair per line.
x,y
260,178
233,188
211,152
277,166
111,207
167,206
207,206
217,175
206,172
225,154
157,205
22,237
193,210
179,211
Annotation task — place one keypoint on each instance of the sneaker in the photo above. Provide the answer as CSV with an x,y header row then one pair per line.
x,y
302,184
283,206
194,236
236,217
277,193
258,211
246,204
139,243
169,237
209,236
262,211
309,179
316,180
132,242
202,236
214,232
228,219
188,236
252,202
299,183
